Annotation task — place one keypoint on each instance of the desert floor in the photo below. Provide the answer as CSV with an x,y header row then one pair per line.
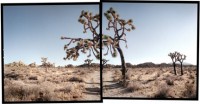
x,y
55,84
150,83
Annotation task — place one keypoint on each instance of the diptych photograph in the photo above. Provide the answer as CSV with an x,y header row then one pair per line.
x,y
90,51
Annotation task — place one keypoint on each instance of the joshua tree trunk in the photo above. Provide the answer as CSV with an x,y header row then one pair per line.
x,y
123,70
181,69
174,67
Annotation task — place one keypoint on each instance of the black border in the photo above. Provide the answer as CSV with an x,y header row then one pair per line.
x,y
197,81
2,45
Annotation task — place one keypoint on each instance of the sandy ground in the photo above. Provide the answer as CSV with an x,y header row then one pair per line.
x,y
150,83
55,84
92,86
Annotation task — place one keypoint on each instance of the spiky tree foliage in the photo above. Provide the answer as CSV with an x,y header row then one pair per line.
x,y
119,27
180,58
104,61
174,56
90,23
44,61
88,62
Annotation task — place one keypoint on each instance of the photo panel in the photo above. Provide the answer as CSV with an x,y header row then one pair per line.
x,y
150,50
51,52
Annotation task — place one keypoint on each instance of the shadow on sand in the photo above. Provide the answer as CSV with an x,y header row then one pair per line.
x,y
92,91
113,86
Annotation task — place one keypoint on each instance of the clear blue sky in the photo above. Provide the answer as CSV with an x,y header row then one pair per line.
x,y
32,32
160,29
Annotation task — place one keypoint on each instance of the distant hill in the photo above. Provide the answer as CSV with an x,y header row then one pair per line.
x,y
184,63
129,65
146,65
91,65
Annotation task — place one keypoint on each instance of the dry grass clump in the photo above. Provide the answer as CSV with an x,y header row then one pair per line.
x,y
190,90
13,75
33,78
19,91
76,79
71,91
169,81
162,91
132,86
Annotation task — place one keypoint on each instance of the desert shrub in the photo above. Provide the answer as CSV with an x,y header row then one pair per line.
x,y
191,76
44,95
190,91
83,71
76,79
33,78
12,75
69,66
162,91
71,91
169,81
132,86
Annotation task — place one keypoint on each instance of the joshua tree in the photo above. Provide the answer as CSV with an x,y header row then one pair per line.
x,y
104,61
112,43
180,58
90,22
88,62
44,62
174,59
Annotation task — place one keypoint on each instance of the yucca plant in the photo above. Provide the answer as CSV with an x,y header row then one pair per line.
x,y
119,27
90,23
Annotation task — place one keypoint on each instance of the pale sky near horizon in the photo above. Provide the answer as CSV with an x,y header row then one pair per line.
x,y
32,32
160,28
